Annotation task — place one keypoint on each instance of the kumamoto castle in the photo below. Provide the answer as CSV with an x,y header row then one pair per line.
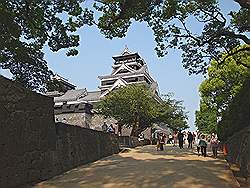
x,y
56,140
79,109
75,106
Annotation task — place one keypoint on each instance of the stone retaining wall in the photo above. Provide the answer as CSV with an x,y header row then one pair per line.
x,y
239,150
34,148
132,142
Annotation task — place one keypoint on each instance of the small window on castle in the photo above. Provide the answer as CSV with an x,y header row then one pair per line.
x,y
80,97
123,71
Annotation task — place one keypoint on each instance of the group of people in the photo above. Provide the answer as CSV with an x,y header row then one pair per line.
x,y
161,139
108,128
180,138
202,141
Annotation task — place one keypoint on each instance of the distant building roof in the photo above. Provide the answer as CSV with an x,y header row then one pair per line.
x,y
125,53
92,96
64,81
72,95
53,93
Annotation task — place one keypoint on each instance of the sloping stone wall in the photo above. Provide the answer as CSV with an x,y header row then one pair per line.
x,y
33,147
77,119
98,120
132,142
239,150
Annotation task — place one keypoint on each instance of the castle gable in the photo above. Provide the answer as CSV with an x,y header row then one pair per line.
x,y
128,68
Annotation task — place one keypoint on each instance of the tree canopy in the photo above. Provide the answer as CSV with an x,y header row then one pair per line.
x,y
236,117
135,106
172,113
169,21
26,26
206,119
219,89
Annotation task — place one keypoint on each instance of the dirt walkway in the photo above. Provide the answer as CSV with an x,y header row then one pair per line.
x,y
147,168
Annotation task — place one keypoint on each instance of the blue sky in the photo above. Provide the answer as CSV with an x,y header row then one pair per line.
x,y
95,58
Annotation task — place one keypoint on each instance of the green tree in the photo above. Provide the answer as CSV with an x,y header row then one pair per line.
x,y
224,81
172,113
169,22
26,26
218,90
55,85
206,119
236,117
135,106
132,105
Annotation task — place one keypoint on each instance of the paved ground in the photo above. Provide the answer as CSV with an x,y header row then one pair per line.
x,y
147,168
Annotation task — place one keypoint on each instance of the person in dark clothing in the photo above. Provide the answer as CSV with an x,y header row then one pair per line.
x,y
111,129
104,127
162,142
180,138
203,145
190,140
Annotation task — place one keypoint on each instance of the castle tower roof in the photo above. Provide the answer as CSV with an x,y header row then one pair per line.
x,y
128,68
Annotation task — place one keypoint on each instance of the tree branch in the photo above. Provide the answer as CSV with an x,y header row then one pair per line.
x,y
231,54
188,32
233,35
244,3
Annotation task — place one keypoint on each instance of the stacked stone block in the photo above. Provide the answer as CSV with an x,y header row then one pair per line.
x,y
34,148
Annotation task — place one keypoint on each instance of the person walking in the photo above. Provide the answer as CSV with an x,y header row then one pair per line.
x,y
190,140
180,139
175,137
214,144
158,138
104,127
111,129
141,139
162,141
197,145
170,139
194,137
203,145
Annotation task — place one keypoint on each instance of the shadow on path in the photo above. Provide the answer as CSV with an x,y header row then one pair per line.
x,y
146,167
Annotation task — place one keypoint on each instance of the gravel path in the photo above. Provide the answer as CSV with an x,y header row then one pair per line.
x,y
147,168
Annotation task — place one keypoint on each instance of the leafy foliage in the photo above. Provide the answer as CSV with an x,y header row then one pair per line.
x,y
169,22
206,119
218,90
172,113
236,117
27,26
224,81
55,85
132,106
135,106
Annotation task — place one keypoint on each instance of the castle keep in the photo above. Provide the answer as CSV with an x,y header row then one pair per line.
x,y
75,105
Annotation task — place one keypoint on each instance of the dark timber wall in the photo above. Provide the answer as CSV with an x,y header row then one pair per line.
x,y
33,147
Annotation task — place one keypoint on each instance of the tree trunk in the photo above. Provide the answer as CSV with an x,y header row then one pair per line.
x,y
135,130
